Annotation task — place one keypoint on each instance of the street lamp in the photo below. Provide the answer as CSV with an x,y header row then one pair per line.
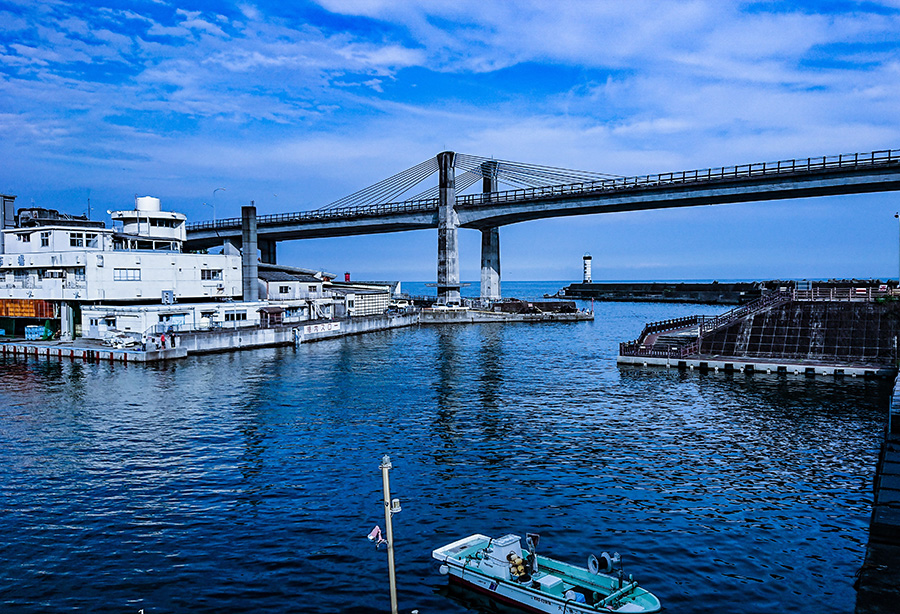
x,y
897,215
214,202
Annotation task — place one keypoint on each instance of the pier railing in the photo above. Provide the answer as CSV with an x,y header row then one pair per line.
x,y
867,293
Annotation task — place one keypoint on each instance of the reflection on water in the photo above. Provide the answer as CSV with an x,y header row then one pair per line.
x,y
248,481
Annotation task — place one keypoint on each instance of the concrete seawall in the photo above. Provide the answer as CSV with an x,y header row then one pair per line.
x,y
208,342
234,339
878,580
472,316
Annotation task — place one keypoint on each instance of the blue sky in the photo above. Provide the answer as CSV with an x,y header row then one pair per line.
x,y
296,104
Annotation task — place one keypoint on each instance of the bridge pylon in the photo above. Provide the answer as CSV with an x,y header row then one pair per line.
x,y
448,284
490,239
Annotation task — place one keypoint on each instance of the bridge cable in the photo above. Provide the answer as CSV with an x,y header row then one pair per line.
x,y
387,189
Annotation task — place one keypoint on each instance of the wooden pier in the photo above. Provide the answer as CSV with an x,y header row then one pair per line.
x,y
60,351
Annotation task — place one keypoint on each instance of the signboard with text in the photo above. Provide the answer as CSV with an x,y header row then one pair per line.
x,y
321,328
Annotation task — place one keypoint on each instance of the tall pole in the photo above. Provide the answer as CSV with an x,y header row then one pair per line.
x,y
214,202
897,215
385,467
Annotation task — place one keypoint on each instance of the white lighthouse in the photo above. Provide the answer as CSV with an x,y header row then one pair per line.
x,y
587,268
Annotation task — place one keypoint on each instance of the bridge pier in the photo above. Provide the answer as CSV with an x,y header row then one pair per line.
x,y
490,241
249,264
448,229
267,251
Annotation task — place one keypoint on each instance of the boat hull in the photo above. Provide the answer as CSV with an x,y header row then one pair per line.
x,y
482,564
513,594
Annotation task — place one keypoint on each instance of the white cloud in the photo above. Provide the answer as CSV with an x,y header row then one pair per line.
x,y
247,93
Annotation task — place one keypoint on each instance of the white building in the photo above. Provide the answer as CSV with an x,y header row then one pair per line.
x,y
75,263
134,279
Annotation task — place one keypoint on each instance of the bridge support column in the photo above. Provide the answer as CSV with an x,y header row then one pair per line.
x,y
490,264
490,241
267,251
249,264
448,228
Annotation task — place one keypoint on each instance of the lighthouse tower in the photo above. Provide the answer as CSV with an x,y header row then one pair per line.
x,y
587,268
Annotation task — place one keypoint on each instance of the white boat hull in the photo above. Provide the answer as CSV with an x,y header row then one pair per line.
x,y
511,593
483,564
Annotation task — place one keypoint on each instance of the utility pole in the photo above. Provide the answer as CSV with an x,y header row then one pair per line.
x,y
390,508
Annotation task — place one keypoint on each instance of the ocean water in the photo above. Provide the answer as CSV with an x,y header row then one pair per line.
x,y
247,482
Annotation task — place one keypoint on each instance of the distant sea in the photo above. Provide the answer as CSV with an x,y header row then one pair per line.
x,y
247,482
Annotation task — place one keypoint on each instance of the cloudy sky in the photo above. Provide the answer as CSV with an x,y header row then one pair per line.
x,y
296,104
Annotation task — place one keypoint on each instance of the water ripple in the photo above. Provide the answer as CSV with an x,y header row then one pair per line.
x,y
247,482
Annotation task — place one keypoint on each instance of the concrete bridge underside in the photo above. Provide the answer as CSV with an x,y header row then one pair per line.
x,y
492,208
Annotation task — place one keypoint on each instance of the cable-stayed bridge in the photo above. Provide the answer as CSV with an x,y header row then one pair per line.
x,y
536,192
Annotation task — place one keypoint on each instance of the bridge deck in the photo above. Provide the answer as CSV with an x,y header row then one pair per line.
x,y
843,174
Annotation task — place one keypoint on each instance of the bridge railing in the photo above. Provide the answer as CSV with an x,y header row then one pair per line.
x,y
408,206
798,166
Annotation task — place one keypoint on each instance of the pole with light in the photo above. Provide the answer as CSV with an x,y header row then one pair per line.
x,y
214,202
391,507
897,215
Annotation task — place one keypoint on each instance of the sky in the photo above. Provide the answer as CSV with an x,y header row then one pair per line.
x,y
293,105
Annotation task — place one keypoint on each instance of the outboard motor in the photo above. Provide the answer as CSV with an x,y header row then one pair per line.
x,y
532,539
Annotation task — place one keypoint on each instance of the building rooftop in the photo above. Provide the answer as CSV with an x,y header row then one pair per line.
x,y
272,275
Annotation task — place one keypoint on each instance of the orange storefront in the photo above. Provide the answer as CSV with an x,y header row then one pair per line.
x,y
27,308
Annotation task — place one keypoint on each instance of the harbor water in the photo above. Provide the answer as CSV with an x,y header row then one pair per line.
x,y
247,482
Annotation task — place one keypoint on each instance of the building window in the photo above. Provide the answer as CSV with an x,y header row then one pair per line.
x,y
78,273
76,239
45,239
313,288
90,239
284,289
21,276
126,275
211,274
234,316
24,237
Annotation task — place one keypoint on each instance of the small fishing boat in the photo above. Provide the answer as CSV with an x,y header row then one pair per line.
x,y
500,569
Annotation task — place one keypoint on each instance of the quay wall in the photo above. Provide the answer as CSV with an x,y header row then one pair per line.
x,y
472,316
207,342
879,577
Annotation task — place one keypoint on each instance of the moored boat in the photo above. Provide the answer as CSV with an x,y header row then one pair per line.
x,y
501,569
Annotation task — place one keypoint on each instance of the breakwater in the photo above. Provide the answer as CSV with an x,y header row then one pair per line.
x,y
781,332
713,293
